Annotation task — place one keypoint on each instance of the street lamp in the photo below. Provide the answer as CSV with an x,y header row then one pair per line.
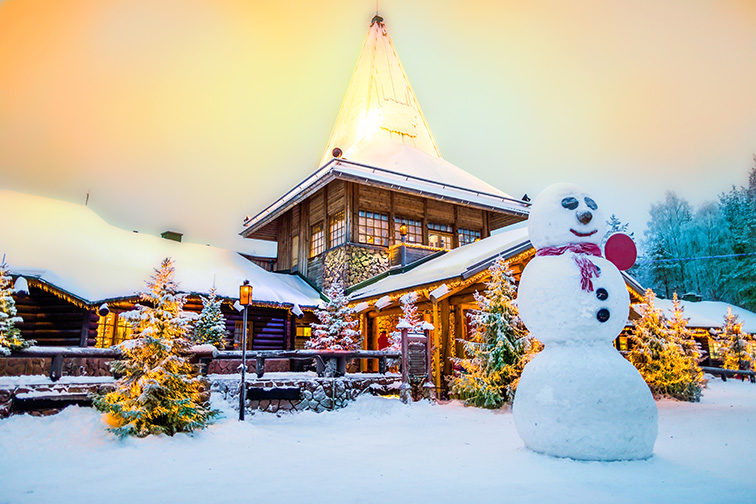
x,y
245,298
403,234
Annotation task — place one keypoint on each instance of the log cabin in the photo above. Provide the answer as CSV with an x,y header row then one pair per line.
x,y
82,274
381,180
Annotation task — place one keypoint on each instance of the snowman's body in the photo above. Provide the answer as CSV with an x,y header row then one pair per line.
x,y
579,397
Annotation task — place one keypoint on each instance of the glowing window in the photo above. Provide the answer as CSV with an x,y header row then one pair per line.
x,y
440,236
337,229
372,228
112,329
414,230
317,243
468,236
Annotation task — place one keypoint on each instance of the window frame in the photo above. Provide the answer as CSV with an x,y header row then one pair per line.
x,y
366,220
317,239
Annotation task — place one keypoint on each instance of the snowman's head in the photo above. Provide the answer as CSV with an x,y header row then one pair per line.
x,y
563,214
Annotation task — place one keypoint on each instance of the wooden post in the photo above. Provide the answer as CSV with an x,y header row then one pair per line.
x,y
84,330
445,337
56,367
260,366
433,342
429,386
382,365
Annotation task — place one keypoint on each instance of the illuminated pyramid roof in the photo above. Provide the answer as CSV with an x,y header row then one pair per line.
x,y
380,106
381,137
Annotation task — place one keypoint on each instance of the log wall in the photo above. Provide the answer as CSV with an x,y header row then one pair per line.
x,y
294,227
52,321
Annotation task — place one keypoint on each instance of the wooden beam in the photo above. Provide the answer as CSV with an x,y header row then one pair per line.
x,y
460,327
444,316
84,330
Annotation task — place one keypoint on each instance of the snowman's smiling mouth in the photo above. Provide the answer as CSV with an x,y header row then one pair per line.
x,y
583,235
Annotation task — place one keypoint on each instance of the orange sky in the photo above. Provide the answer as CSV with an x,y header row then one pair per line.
x,y
190,114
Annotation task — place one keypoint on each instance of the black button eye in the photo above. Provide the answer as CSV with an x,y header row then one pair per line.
x,y
570,203
602,294
602,315
591,204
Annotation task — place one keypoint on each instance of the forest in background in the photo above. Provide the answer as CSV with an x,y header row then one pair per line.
x,y
709,250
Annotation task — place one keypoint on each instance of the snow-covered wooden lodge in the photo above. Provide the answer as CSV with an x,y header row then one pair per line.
x,y
83,272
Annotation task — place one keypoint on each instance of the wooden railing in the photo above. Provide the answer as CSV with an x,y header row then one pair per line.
x,y
324,359
733,373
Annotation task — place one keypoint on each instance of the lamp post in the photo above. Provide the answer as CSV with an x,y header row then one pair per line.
x,y
403,234
245,298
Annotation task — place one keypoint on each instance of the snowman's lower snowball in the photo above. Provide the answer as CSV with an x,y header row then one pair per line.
x,y
585,401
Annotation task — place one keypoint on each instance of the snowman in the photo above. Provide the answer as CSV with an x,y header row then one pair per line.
x,y
578,398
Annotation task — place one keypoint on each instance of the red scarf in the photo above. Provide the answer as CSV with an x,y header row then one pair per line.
x,y
587,268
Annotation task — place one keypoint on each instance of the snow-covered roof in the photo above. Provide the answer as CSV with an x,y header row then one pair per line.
x,y
404,169
71,248
709,314
461,262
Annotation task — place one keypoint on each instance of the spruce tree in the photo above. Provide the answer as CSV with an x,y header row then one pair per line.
x,y
667,364
210,327
738,351
337,329
410,315
159,392
499,347
10,335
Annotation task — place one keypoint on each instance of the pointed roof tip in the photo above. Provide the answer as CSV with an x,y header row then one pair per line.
x,y
379,104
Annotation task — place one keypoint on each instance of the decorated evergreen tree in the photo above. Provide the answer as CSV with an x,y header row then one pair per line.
x,y
159,392
410,315
738,351
10,335
337,329
210,327
499,347
667,363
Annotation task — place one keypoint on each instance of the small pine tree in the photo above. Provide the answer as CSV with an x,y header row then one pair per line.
x,y
667,364
410,315
337,329
10,335
499,347
738,351
160,392
210,327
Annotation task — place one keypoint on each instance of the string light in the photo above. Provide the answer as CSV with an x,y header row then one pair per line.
x,y
696,258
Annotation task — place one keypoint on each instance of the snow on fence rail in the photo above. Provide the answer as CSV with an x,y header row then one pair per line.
x,y
204,354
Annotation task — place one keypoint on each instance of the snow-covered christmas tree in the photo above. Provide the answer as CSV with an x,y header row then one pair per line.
x,y
159,392
10,335
499,347
738,353
337,329
409,315
666,362
210,327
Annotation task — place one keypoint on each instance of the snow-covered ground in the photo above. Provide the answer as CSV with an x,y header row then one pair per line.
x,y
377,450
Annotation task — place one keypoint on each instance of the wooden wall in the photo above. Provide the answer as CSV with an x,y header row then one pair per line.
x,y
294,227
52,321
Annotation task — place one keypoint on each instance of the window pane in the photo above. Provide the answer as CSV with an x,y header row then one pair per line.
x,y
373,228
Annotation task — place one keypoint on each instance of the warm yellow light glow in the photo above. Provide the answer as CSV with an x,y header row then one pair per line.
x,y
245,293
